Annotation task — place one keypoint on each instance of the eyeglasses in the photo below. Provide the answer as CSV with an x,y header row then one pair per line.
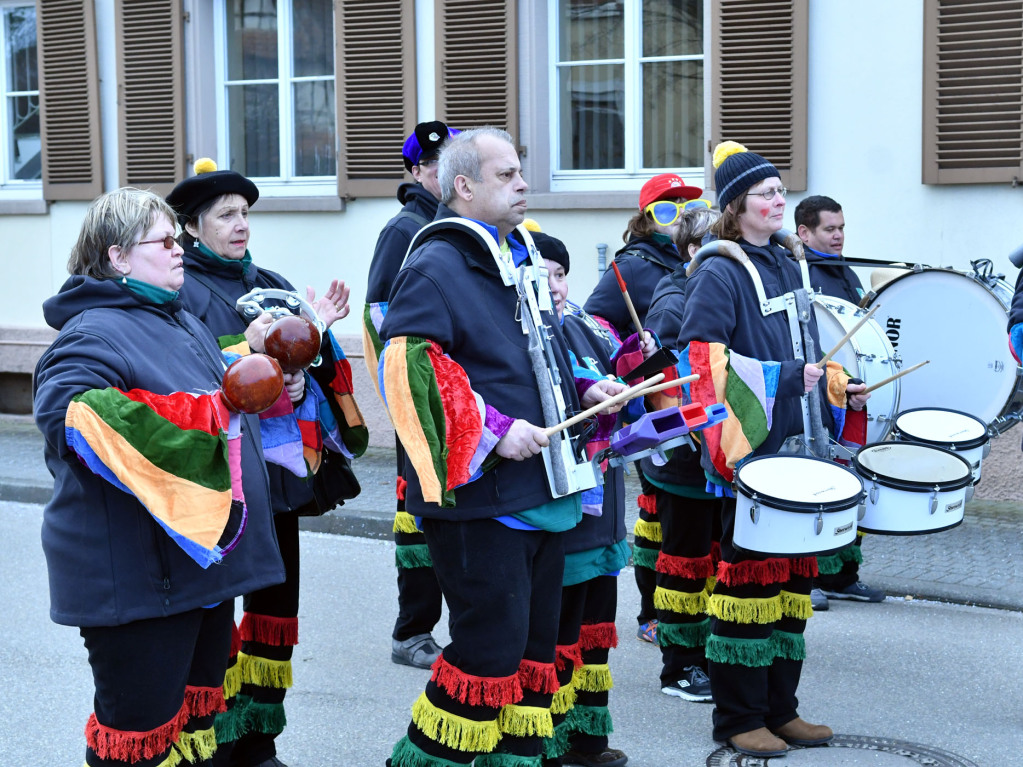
x,y
168,242
667,212
428,163
768,194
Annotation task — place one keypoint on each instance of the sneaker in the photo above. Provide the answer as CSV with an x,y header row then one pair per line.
x,y
694,685
609,757
859,591
818,601
419,651
648,631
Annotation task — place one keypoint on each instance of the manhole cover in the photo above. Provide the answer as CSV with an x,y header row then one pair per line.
x,y
842,751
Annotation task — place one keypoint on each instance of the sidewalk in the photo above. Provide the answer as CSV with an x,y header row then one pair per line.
x,y
978,563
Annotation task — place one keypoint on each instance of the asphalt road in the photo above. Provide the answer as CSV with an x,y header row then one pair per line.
x,y
946,676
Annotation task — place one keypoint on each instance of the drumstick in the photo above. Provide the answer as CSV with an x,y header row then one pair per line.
x,y
889,379
629,393
847,336
628,303
666,385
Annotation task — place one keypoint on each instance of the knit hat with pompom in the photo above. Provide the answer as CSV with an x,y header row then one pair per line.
x,y
737,170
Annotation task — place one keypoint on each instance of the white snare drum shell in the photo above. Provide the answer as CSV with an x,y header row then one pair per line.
x,y
912,488
790,505
951,429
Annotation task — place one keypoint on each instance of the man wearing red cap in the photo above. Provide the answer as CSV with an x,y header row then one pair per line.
x,y
649,254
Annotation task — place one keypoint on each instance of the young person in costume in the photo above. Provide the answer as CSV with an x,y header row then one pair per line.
x,y
419,597
648,256
760,604
464,385
595,550
690,517
820,224
319,413
154,482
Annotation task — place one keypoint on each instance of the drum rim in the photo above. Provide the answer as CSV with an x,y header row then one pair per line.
x,y
968,444
904,484
800,507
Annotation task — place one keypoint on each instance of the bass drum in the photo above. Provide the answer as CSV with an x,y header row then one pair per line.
x,y
958,321
868,355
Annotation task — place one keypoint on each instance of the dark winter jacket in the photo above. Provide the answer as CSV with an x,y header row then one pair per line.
x,y
450,291
288,491
721,307
643,263
419,209
832,277
109,562
664,318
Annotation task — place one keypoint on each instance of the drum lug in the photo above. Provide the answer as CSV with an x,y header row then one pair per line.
x,y
875,491
754,510
934,499
820,523
861,512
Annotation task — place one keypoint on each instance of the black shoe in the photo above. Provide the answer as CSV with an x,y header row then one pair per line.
x,y
419,651
859,591
609,757
818,601
694,685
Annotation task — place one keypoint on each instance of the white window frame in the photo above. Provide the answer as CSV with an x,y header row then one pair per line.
x,y
287,184
12,188
632,177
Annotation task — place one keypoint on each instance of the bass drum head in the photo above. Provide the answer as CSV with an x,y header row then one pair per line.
x,y
958,324
799,483
945,428
868,355
912,466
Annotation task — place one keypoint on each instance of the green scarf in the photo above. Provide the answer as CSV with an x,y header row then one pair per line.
x,y
243,263
149,291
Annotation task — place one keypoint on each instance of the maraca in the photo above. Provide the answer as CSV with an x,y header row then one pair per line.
x,y
252,384
293,341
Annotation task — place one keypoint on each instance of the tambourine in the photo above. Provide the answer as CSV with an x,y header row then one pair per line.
x,y
292,339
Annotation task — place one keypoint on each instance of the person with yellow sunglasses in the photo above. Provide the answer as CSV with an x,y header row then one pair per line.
x,y
649,254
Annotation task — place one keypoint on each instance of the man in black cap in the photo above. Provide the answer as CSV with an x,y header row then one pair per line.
x,y
419,597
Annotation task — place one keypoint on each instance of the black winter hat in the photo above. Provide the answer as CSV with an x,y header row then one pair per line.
x,y
425,140
551,248
737,170
208,183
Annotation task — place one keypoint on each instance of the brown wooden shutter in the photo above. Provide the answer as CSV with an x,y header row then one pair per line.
x,y
150,78
477,64
69,99
973,91
759,81
375,82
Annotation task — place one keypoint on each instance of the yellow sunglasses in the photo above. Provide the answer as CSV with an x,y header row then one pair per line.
x,y
667,212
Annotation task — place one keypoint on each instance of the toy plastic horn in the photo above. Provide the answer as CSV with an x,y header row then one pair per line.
x,y
252,384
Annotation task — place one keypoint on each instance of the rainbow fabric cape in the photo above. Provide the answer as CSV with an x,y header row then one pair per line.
x,y
747,388
436,414
295,437
178,454
335,373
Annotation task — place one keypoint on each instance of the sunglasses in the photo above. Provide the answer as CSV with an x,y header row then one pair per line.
x,y
667,212
168,242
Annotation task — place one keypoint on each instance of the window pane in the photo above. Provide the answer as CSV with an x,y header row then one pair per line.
x,y
672,27
314,129
673,114
252,120
251,39
25,145
21,49
592,117
313,37
590,30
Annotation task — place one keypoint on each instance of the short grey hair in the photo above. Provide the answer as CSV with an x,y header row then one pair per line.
x,y
120,218
461,157
694,225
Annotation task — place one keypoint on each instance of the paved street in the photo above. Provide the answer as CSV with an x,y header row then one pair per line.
x,y
946,676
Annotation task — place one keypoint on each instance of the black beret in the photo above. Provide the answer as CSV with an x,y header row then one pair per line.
x,y
190,195
551,248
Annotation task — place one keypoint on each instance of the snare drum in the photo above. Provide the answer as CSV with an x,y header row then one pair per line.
x,y
958,321
912,489
868,355
795,505
950,429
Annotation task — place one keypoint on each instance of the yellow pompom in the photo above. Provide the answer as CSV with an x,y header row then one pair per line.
x,y
531,225
725,150
204,165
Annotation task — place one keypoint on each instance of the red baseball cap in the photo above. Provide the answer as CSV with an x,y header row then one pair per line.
x,y
666,186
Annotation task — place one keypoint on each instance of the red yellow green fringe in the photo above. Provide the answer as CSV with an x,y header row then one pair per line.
x,y
567,655
563,699
265,673
685,567
538,677
412,556
197,746
454,731
269,630
476,690
203,701
123,746
592,678
647,502
525,721
598,635
644,557
500,759
408,754
591,720
796,605
735,610
651,531
680,602
683,634
405,523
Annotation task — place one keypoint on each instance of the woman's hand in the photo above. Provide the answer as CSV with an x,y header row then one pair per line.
x,y
857,400
256,332
649,345
811,375
334,304
603,389
294,383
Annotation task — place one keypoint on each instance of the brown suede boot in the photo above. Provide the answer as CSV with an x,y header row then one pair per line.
x,y
801,733
759,742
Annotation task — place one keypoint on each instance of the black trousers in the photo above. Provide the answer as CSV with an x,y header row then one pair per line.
x,y
150,673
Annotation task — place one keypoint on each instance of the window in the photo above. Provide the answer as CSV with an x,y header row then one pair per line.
x,y
19,106
627,89
275,75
